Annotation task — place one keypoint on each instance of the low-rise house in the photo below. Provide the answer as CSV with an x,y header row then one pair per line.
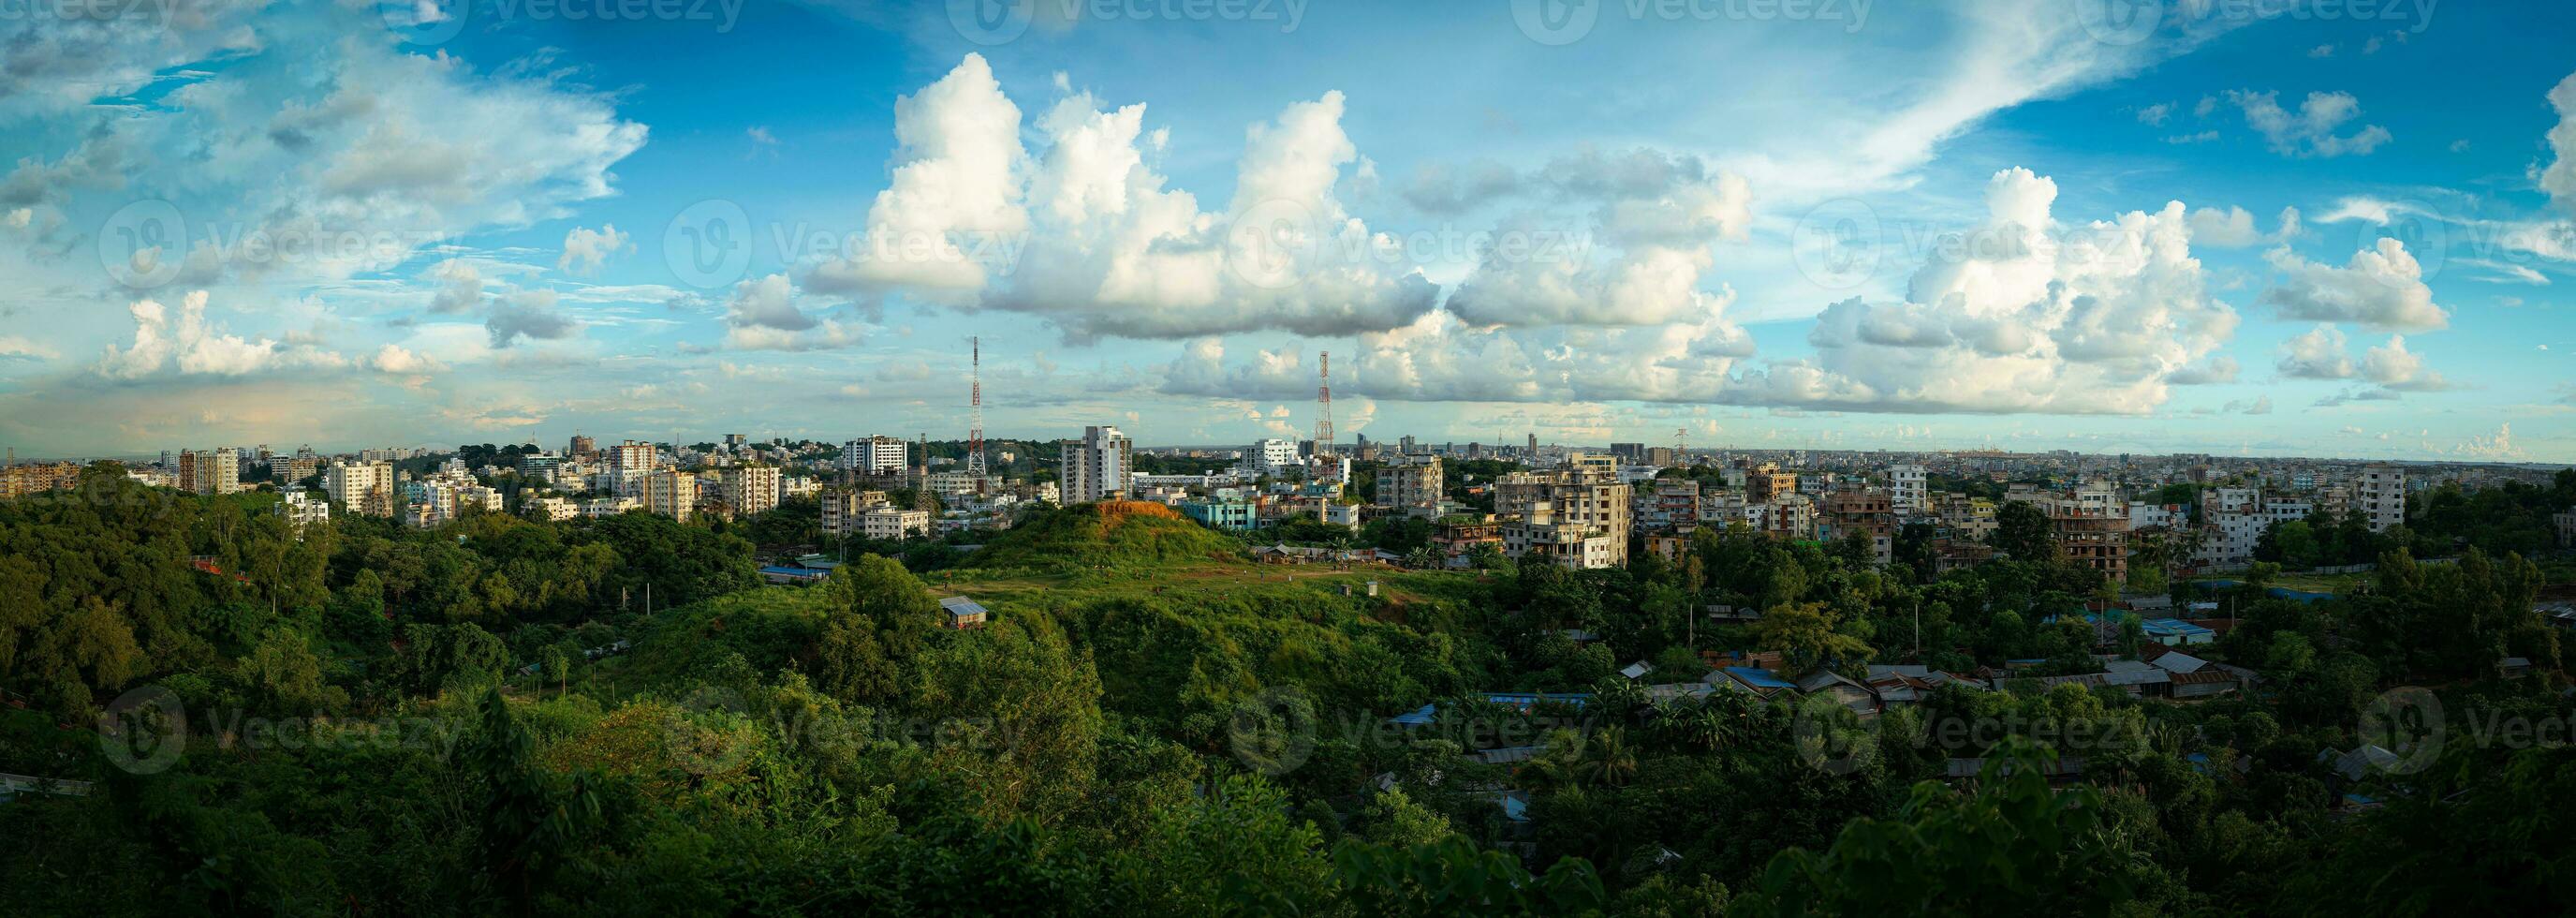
x,y
961,613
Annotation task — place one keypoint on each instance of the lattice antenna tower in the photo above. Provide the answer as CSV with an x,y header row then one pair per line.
x,y
1324,406
975,428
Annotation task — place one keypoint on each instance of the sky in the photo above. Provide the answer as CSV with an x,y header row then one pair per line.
x,y
2240,227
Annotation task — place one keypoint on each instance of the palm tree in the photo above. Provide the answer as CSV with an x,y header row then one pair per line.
x,y
1607,758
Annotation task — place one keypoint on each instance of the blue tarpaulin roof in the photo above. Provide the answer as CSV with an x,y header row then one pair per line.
x,y
2156,626
1758,678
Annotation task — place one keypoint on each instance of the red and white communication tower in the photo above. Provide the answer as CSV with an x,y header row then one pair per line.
x,y
1324,409
975,428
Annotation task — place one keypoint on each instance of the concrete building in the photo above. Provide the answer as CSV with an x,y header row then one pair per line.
x,y
2091,525
1582,497
842,510
1237,515
1670,504
1411,490
1095,467
364,488
876,455
1908,490
750,489
670,493
1870,512
1766,483
1273,457
2380,492
599,507
894,523
629,464
304,508
1540,536
551,507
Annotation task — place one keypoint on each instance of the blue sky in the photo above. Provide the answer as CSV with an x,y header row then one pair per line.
x,y
2251,228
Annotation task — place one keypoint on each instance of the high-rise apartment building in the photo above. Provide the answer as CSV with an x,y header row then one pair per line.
x,y
875,456
1908,490
2380,493
670,493
1095,467
365,488
1274,457
750,489
1410,489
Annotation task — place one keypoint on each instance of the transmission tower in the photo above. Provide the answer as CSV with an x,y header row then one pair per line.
x,y
1324,407
1681,445
975,428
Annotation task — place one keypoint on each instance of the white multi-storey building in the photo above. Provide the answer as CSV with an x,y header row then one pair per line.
x,y
876,455
893,523
1273,457
302,508
1096,467
365,488
1908,491
553,508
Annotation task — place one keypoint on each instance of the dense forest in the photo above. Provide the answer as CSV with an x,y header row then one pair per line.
x,y
358,718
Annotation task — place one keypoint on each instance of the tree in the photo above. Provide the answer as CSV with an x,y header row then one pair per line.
x,y
1806,637
2022,531
2012,845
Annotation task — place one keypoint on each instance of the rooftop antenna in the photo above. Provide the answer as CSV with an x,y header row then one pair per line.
x,y
975,430
1324,407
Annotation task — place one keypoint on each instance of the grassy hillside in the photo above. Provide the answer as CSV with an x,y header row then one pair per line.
x,y
1107,536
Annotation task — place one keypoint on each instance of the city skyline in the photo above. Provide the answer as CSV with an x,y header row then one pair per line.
x,y
2018,227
